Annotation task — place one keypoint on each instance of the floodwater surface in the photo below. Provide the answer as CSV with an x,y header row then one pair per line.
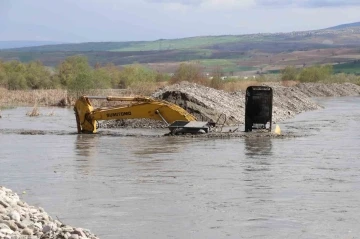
x,y
176,187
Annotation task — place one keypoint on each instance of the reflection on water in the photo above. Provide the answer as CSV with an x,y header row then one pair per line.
x,y
161,145
86,152
259,177
258,146
86,145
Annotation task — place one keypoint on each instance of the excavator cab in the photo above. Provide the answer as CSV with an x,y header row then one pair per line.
x,y
258,108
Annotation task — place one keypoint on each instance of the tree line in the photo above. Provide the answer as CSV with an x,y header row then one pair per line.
x,y
307,74
75,73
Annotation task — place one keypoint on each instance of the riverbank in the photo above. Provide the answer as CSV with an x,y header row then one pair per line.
x,y
203,102
18,219
46,98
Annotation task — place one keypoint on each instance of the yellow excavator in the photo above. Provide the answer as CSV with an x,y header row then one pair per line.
x,y
178,120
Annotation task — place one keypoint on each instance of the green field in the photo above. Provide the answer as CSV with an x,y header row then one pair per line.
x,y
226,65
348,68
185,43
194,43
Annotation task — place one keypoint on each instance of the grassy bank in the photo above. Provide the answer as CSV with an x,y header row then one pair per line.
x,y
61,97
58,97
13,98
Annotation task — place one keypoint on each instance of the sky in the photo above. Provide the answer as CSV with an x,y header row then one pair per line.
x,y
143,20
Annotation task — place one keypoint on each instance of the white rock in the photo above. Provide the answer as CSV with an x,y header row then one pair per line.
x,y
14,215
38,225
4,203
74,236
58,223
21,203
3,225
12,225
20,225
2,209
6,231
80,232
27,222
33,210
27,231
67,229
45,217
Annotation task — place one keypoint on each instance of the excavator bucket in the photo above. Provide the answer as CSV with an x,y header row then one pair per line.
x,y
258,108
82,109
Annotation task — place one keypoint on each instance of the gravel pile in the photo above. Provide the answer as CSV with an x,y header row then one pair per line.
x,y
329,90
290,101
133,123
205,103
208,104
19,220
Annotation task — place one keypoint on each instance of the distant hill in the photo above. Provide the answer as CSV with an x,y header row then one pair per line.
x,y
85,46
343,26
19,44
233,53
339,35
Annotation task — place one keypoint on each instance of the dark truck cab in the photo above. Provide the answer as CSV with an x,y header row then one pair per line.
x,y
258,108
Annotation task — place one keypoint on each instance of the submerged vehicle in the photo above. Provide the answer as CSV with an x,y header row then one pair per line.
x,y
258,108
177,119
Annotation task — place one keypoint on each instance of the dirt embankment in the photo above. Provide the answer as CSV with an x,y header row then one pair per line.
x,y
329,90
207,103
216,105
210,104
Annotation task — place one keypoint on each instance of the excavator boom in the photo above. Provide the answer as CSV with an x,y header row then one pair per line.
x,y
138,107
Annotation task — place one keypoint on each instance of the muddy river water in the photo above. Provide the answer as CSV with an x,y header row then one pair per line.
x,y
169,187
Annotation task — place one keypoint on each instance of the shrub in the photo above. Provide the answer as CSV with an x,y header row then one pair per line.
x,y
68,70
134,74
189,72
16,81
15,75
290,73
81,84
37,76
114,74
315,73
101,79
216,81
342,77
161,77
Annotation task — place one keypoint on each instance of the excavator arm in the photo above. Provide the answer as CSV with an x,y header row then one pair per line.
x,y
138,107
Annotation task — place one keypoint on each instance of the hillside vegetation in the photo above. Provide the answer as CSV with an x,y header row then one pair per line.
x,y
76,74
18,44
